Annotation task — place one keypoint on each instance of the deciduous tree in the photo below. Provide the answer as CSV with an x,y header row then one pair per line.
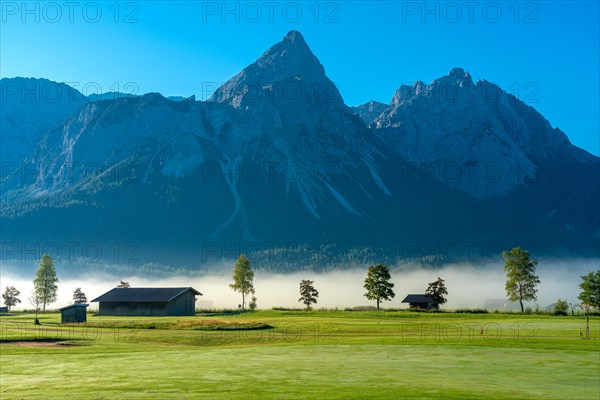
x,y
10,296
308,293
243,278
437,291
521,280
561,307
35,300
45,281
590,290
378,285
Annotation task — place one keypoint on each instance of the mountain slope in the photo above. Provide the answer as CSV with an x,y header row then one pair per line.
x,y
275,158
473,136
238,168
30,108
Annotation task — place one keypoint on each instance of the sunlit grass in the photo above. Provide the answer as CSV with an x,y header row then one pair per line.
x,y
304,355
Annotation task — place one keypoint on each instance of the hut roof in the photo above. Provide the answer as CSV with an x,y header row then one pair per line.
x,y
142,295
417,298
73,305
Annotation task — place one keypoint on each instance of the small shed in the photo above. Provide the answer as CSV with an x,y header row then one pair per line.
x,y
4,309
420,302
148,301
73,313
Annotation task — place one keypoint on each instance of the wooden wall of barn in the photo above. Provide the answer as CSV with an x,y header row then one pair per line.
x,y
73,314
181,305
132,308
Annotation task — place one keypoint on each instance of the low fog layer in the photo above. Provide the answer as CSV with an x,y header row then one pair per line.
x,y
467,286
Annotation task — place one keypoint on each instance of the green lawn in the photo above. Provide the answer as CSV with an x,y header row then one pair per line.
x,y
305,355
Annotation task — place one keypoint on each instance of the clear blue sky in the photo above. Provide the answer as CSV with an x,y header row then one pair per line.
x,y
546,51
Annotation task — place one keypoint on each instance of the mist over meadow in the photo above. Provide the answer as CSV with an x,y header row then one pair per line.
x,y
469,285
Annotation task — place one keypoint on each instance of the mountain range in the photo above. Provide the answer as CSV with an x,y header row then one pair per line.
x,y
275,157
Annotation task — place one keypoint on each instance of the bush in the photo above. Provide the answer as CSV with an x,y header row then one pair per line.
x,y
561,307
252,303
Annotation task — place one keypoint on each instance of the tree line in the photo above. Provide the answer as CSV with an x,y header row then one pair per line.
x,y
521,285
377,285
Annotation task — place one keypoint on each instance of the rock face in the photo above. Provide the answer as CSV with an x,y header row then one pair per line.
x,y
472,136
276,157
30,108
368,112
286,75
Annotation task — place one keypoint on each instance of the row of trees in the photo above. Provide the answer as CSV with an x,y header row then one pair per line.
x,y
521,284
377,285
45,288
522,281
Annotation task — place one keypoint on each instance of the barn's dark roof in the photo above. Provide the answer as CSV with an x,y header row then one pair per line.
x,y
72,305
417,298
144,295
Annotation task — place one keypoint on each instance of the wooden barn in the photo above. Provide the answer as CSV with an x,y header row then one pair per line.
x,y
420,302
73,313
148,301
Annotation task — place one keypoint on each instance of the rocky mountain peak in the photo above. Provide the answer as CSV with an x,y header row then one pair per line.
x,y
286,73
419,86
369,111
293,37
457,77
457,73
454,121
314,166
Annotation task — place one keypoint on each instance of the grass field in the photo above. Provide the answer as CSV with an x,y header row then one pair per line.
x,y
301,355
